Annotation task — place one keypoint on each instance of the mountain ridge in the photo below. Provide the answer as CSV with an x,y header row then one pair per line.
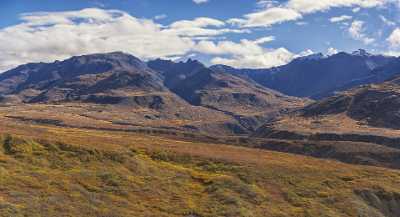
x,y
316,77
182,93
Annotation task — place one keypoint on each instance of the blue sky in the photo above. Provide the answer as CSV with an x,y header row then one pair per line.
x,y
241,33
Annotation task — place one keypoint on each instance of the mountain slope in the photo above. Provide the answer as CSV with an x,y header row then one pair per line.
x,y
359,125
174,73
128,92
113,89
316,76
80,78
243,98
376,105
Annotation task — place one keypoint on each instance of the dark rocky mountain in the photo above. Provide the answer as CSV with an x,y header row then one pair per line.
x,y
193,81
318,76
243,98
175,73
101,77
386,72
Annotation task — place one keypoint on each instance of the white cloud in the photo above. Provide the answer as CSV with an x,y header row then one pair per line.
x,y
200,32
301,23
58,35
198,22
264,40
267,3
307,6
200,1
394,38
356,10
266,18
392,53
292,10
340,18
357,32
202,26
245,47
267,59
247,53
386,21
160,16
50,36
332,51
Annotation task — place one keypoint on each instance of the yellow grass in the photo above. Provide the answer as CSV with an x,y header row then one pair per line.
x,y
56,171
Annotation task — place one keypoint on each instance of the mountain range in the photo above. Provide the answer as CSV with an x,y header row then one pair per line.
x,y
102,134
313,76
214,100
217,100
185,92
317,76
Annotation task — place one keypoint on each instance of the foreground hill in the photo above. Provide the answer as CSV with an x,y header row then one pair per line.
x,y
56,171
317,76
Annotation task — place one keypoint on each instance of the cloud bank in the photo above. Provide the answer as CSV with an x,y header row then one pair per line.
x,y
50,36
275,13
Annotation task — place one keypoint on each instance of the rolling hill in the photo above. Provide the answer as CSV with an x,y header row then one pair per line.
x,y
58,171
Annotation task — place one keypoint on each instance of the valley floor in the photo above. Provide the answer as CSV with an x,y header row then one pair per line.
x,y
50,170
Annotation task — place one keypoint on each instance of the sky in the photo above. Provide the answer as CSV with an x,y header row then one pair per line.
x,y
239,33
